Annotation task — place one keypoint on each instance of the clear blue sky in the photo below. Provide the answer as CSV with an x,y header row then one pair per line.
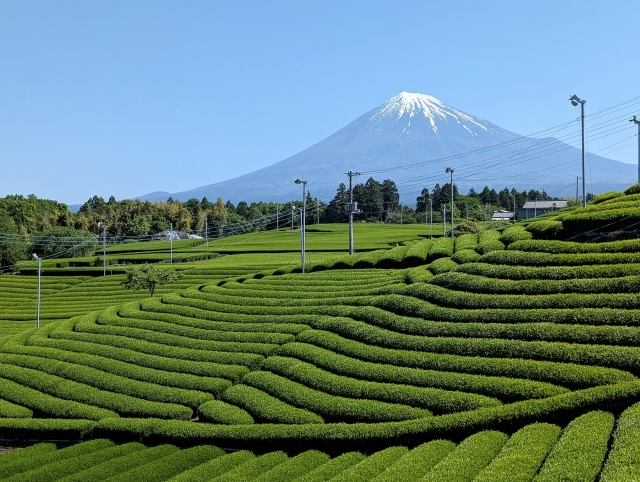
x,y
129,97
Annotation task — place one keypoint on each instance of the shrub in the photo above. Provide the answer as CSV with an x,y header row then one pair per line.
x,y
294,467
522,455
34,451
392,258
635,189
466,241
253,468
417,462
215,467
515,233
468,458
442,265
371,466
266,408
623,462
419,274
579,453
441,248
606,196
11,410
465,256
467,227
333,467
545,229
489,241
216,411
417,253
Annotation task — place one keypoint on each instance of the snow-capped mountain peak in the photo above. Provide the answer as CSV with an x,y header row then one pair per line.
x,y
401,108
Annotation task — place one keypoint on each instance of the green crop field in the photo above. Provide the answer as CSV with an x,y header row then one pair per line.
x,y
509,354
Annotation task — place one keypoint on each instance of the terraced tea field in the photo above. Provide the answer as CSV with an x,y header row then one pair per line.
x,y
498,357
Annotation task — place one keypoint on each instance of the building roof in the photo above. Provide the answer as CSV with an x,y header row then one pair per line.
x,y
544,205
497,215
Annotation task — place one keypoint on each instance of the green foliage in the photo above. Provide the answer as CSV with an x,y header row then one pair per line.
x,y
469,458
333,467
545,229
580,452
623,461
371,466
515,233
465,256
73,242
216,411
215,467
417,253
565,247
442,247
522,455
466,241
33,451
252,468
489,241
148,277
417,462
635,189
294,467
606,196
468,227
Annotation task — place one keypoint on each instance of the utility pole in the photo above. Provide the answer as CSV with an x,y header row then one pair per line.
x,y
515,208
206,230
38,302
171,243
104,247
448,169
535,207
277,217
292,211
637,122
575,100
351,208
431,222
303,223
401,208
486,209
317,212
444,220
466,207
577,198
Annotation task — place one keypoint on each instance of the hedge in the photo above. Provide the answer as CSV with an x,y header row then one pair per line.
x,y
548,229
466,241
252,468
623,461
216,411
23,465
433,399
333,467
566,247
33,451
371,466
417,253
45,428
503,388
11,410
418,462
515,233
580,452
568,375
468,459
393,258
69,467
267,409
522,455
585,220
122,464
369,260
294,467
442,265
331,407
489,241
605,196
214,468
419,274
441,248
551,272
465,256
79,392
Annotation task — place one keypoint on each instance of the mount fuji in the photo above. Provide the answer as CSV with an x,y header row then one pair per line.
x,y
410,139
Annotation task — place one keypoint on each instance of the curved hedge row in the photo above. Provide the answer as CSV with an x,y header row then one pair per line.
x,y
623,462
216,411
508,271
489,241
566,247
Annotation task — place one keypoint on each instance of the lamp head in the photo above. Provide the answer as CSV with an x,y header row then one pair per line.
x,y
575,100
297,180
35,256
448,169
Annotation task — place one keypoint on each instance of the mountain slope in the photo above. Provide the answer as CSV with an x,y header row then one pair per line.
x,y
416,128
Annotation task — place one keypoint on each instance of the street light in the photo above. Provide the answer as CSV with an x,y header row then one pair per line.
x,y
303,235
575,100
39,260
448,169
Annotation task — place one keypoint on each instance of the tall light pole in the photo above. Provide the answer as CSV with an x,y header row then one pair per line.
x,y
206,229
171,243
448,169
303,235
637,122
515,208
575,100
466,208
39,260
351,207
401,209
444,220
577,197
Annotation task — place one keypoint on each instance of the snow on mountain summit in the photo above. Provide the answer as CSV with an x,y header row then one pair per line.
x,y
402,108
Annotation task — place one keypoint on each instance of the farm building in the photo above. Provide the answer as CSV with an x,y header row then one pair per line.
x,y
531,209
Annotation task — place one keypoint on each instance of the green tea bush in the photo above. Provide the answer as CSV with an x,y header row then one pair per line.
x,y
33,451
441,248
417,253
515,233
545,229
566,247
580,452
417,462
369,260
606,196
267,409
333,467
469,458
522,455
466,241
489,241
253,468
441,401
635,189
216,411
511,272
392,258
121,464
331,407
372,466
294,467
623,461
442,265
215,467
11,410
419,274
465,256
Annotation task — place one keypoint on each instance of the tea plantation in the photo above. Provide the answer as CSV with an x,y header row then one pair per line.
x,y
511,354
